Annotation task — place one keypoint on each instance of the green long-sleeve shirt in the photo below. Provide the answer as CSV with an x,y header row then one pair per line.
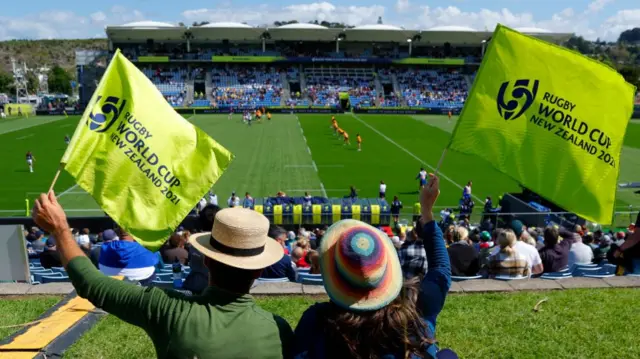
x,y
216,324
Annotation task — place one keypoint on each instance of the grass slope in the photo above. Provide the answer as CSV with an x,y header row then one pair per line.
x,y
19,310
582,323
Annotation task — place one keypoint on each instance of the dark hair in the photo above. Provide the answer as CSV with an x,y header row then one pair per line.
x,y
588,238
550,236
207,216
233,279
275,231
397,329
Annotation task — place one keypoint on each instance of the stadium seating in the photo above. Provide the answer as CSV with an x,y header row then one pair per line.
x,y
246,87
432,88
325,83
171,84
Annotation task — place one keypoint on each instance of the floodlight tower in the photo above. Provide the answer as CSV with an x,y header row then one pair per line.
x,y
43,79
19,79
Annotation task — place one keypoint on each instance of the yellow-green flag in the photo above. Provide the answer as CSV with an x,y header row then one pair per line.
x,y
551,119
143,163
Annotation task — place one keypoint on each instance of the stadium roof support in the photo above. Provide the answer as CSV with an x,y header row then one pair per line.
x,y
455,35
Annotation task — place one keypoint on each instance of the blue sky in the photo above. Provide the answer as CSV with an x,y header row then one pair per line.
x,y
81,19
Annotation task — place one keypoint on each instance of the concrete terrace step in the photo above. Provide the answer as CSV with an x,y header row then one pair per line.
x,y
472,286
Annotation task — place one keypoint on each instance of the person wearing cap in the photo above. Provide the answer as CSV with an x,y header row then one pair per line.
x,y
521,246
50,257
600,253
372,312
223,322
107,236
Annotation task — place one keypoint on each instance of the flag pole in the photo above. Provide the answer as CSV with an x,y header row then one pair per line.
x,y
55,178
440,161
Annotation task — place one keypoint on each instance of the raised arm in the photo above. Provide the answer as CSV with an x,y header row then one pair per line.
x,y
436,284
129,302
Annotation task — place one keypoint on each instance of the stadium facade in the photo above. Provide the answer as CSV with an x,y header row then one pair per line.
x,y
305,67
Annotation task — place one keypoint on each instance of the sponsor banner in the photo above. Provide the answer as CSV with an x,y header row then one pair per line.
x,y
429,61
408,111
153,59
245,59
58,112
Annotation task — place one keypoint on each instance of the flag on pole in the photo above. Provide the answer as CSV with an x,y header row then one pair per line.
x,y
551,119
144,164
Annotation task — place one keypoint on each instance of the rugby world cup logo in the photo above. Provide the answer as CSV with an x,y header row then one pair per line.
x,y
102,120
513,108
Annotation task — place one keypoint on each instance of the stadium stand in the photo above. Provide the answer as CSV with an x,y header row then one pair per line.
x,y
246,87
170,82
433,88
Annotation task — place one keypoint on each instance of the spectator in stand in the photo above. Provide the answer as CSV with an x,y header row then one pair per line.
x,y
353,194
600,253
198,279
127,258
107,236
413,258
486,244
529,251
508,261
396,206
369,296
284,267
630,249
226,315
248,201
554,255
298,257
213,199
176,250
463,257
314,261
579,253
50,257
589,240
233,201
36,239
83,238
307,199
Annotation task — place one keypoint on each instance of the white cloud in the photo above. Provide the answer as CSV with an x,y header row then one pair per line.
x,y
98,16
402,5
597,5
266,14
587,21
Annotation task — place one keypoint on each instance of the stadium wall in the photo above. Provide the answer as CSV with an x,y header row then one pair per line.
x,y
383,111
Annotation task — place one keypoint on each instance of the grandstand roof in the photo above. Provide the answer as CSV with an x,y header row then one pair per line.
x,y
233,31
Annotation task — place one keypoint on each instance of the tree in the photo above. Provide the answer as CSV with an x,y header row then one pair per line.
x,y
6,82
181,24
631,75
33,84
280,23
59,81
580,44
631,36
195,23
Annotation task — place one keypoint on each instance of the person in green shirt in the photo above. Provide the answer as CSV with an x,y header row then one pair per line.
x,y
223,322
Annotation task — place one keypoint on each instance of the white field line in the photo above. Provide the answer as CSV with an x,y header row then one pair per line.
x,y
67,125
27,136
317,190
313,163
33,124
440,173
67,191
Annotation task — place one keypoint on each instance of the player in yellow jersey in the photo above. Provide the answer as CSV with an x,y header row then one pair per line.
x,y
450,116
335,126
345,135
258,115
359,139
269,116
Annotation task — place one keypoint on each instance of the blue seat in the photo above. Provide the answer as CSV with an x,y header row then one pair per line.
x,y
162,283
302,270
312,281
508,278
556,275
608,270
303,276
54,279
600,276
273,280
462,279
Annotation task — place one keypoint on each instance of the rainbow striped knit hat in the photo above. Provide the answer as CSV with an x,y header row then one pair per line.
x,y
360,266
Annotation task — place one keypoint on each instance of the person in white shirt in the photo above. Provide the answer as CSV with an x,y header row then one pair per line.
x,y
83,238
213,199
307,199
422,176
579,253
233,201
202,204
466,192
383,189
529,251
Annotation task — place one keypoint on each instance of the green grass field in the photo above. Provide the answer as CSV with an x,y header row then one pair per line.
x,y
581,323
294,154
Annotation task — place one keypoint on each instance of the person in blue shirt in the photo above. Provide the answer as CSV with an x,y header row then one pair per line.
x,y
372,312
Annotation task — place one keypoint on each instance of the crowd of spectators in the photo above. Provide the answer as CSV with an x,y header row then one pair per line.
x,y
246,87
432,88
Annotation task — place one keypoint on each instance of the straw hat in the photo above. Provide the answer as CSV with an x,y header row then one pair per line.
x,y
239,239
360,266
